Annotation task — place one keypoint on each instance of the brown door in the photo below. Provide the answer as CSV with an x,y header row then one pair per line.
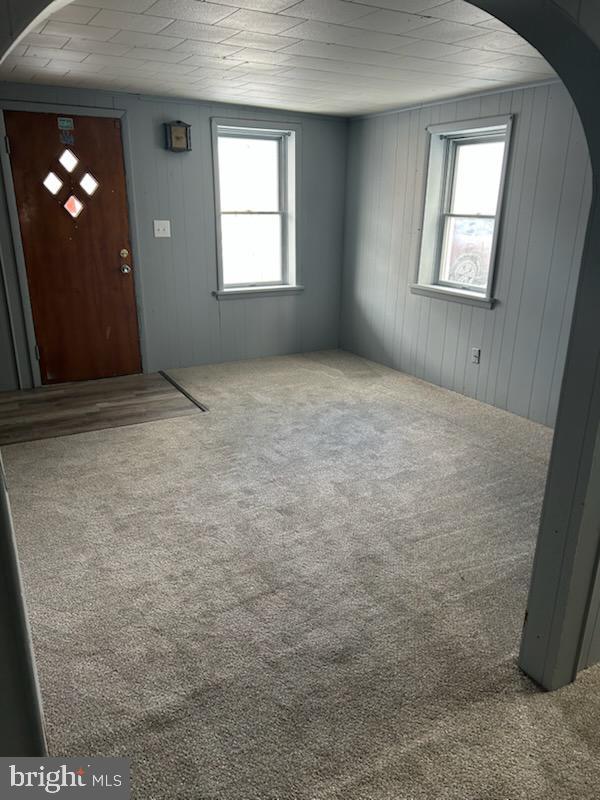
x,y
70,188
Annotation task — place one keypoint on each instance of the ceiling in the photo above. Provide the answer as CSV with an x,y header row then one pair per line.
x,y
327,56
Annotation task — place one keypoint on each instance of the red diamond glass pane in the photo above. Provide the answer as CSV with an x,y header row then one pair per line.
x,y
74,206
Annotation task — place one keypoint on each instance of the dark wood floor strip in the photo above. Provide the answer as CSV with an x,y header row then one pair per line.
x,y
65,409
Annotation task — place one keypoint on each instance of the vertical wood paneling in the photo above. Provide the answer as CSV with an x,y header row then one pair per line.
x,y
8,372
523,339
182,323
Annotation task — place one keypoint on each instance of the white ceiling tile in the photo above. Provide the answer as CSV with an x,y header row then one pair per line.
x,y
391,22
104,48
270,6
135,6
148,54
207,48
151,40
213,73
172,69
51,68
467,56
424,49
75,13
393,71
496,25
505,76
131,22
525,49
18,50
22,73
459,11
117,62
343,35
407,6
434,66
76,68
259,22
342,53
340,79
327,10
44,40
132,73
190,10
523,64
260,69
25,61
495,41
448,32
362,72
211,61
196,30
260,56
81,31
48,52
231,84
266,95
260,41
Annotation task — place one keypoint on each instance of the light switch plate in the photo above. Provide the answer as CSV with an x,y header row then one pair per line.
x,y
162,228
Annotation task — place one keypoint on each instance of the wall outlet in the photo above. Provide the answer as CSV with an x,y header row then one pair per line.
x,y
162,228
475,355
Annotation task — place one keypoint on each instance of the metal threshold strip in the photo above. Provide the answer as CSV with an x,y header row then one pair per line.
x,y
183,391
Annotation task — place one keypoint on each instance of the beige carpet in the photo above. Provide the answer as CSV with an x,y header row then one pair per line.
x,y
315,590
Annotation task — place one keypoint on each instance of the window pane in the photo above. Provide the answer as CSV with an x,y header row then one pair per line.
x,y
477,174
88,183
53,183
467,251
251,248
68,160
248,174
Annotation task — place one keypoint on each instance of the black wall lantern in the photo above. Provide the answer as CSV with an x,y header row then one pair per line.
x,y
178,136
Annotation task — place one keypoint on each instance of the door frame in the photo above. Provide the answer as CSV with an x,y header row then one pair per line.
x,y
29,374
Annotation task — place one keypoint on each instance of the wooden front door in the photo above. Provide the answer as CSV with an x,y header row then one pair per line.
x,y
70,189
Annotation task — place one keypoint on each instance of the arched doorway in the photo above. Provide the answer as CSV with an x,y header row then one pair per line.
x,y
553,647
565,565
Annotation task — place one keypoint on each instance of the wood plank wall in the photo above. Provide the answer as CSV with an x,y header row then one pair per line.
x,y
523,340
182,324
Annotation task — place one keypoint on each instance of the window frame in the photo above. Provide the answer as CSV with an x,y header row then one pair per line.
x,y
287,135
441,177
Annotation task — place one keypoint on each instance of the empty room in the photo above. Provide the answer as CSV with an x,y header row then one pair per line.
x,y
299,399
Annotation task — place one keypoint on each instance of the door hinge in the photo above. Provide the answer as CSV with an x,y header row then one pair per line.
x,y
7,144
37,352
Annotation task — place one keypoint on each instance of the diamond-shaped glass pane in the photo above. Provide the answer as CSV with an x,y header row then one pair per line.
x,y
88,183
53,183
68,160
74,206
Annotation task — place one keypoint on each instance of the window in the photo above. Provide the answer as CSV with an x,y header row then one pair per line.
x,y
467,166
255,196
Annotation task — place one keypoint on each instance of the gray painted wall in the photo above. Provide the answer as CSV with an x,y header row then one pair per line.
x,y
524,338
181,323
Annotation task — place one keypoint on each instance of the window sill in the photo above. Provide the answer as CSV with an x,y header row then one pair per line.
x,y
454,295
256,291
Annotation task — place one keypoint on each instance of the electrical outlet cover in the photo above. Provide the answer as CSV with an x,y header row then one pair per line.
x,y
162,229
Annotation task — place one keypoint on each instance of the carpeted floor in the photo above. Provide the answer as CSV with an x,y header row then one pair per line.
x,y
315,590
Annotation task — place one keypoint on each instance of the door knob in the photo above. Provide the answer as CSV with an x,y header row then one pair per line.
x,y
125,269
124,253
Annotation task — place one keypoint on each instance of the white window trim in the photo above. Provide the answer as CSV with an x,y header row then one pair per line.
x,y
441,139
289,135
